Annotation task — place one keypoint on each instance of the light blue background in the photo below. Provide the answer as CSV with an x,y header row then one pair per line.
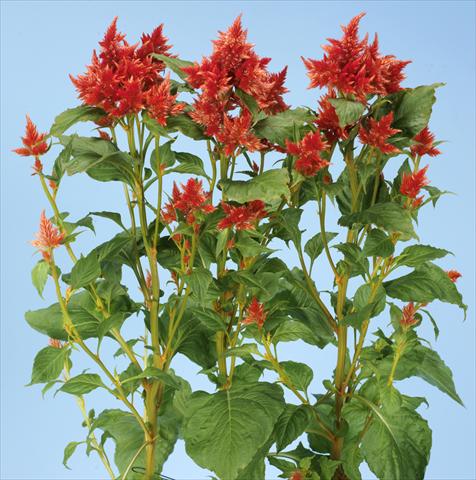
x,y
42,42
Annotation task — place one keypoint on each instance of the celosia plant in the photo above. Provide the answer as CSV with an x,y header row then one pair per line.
x,y
204,257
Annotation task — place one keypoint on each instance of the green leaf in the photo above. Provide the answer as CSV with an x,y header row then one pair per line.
x,y
116,166
299,373
377,244
291,424
281,126
158,374
348,111
199,281
61,161
356,261
315,246
426,283
242,351
288,225
268,187
39,275
249,247
83,383
68,452
413,109
397,445
209,318
85,271
153,126
175,64
48,364
416,255
217,424
290,331
389,216
433,370
114,216
82,310
187,126
328,467
166,156
82,113
189,163
363,295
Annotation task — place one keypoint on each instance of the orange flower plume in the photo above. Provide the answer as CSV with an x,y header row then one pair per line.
x,y
33,142
454,275
243,217
48,237
353,66
378,133
191,200
424,144
408,315
412,183
255,314
308,152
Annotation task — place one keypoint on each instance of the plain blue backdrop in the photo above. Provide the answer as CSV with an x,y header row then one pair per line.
x,y
42,42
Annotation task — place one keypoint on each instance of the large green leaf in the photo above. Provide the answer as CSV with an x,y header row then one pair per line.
x,y
413,108
291,424
224,430
83,383
175,64
39,275
377,244
85,271
299,374
281,126
416,255
48,364
426,283
315,245
82,113
389,216
348,111
187,126
268,187
397,444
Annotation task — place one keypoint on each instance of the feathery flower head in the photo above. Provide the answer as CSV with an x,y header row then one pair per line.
x,y
308,153
328,121
242,217
297,475
424,144
233,65
412,183
48,237
378,132
454,275
190,200
353,66
161,104
119,78
33,142
255,314
55,343
236,133
408,315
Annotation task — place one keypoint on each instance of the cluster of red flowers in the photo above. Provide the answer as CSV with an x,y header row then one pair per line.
x,y
242,217
190,202
234,65
378,133
408,315
34,143
255,314
352,66
47,238
453,275
424,144
411,185
124,79
308,152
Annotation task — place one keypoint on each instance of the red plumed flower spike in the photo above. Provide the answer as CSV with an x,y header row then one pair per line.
x,y
48,237
378,133
308,152
328,121
454,275
353,66
236,132
408,316
243,217
190,200
161,104
424,144
412,183
255,314
33,142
